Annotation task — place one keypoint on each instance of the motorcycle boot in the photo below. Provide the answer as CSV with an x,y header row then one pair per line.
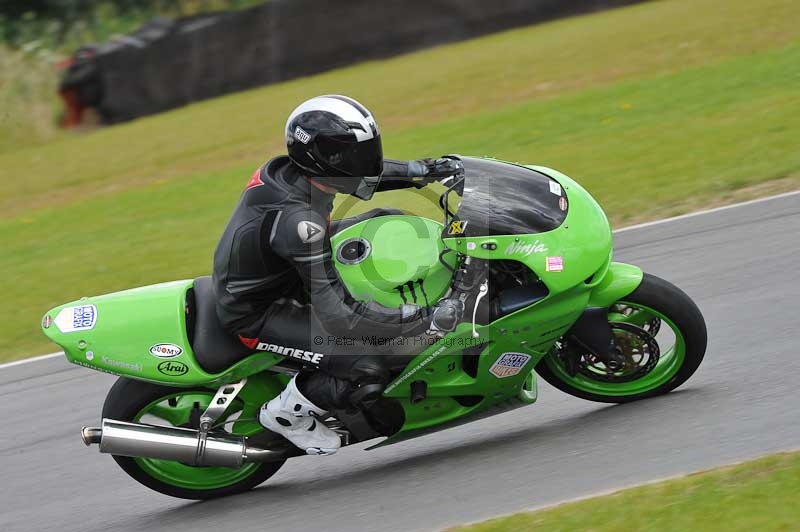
x,y
297,419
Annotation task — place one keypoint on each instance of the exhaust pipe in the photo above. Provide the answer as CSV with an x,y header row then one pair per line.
x,y
91,435
179,444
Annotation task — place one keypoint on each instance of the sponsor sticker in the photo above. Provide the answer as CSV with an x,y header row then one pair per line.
x,y
309,232
509,364
555,188
47,321
166,350
415,369
172,368
471,246
301,135
89,355
555,264
562,203
294,352
73,319
457,227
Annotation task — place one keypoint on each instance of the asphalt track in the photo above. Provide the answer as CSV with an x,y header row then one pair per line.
x,y
740,265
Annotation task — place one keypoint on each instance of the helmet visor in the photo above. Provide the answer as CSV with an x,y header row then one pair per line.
x,y
345,158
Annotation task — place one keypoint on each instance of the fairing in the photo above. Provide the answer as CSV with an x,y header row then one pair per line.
x,y
503,199
141,334
575,252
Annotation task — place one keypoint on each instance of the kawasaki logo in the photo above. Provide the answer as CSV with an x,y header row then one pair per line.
x,y
173,369
165,350
117,363
293,352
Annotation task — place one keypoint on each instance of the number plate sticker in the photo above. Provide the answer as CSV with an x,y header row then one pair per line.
x,y
509,364
73,319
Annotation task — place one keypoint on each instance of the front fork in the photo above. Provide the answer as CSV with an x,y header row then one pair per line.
x,y
592,333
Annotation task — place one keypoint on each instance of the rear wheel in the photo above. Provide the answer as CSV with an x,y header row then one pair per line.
x,y
660,332
141,402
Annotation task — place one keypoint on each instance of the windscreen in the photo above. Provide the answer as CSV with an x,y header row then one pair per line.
x,y
503,199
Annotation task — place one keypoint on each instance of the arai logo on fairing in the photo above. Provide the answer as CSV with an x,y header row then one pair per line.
x,y
165,350
172,368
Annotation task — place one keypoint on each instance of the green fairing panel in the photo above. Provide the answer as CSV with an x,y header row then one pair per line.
x,y
453,394
619,281
140,333
563,257
393,260
526,335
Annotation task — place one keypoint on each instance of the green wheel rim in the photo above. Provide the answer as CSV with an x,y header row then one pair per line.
x,y
669,363
175,409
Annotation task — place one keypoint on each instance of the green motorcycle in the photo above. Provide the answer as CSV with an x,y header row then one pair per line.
x,y
525,248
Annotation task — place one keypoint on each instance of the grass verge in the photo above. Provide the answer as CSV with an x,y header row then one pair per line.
x,y
701,110
758,495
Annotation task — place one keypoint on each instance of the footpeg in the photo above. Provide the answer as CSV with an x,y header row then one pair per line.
x,y
419,391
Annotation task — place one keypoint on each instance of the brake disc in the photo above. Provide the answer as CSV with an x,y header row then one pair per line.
x,y
639,349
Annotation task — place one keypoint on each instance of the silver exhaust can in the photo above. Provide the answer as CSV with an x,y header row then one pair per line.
x,y
170,443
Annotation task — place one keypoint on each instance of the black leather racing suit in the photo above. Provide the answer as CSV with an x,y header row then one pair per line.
x,y
277,288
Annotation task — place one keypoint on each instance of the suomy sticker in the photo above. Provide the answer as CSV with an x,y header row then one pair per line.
x,y
166,350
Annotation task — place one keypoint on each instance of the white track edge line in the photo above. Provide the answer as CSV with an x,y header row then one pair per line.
x,y
32,359
623,229
707,211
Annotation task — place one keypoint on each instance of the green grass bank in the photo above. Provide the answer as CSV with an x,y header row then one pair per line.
x,y
658,109
758,495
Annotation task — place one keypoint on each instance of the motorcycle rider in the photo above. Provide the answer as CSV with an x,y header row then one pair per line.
x,y
274,280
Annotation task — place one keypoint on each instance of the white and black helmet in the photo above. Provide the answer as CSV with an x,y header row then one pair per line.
x,y
336,140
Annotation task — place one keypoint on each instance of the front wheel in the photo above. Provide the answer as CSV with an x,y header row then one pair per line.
x,y
142,402
660,332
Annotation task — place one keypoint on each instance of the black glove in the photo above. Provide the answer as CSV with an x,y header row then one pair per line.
x,y
445,315
431,170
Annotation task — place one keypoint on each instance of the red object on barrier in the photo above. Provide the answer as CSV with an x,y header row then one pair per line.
x,y
73,107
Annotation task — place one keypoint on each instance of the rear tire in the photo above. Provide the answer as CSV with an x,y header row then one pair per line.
x,y
126,401
668,303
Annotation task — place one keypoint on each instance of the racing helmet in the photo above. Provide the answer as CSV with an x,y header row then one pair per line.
x,y
336,140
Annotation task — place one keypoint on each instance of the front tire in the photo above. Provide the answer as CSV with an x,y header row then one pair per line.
x,y
644,317
131,400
